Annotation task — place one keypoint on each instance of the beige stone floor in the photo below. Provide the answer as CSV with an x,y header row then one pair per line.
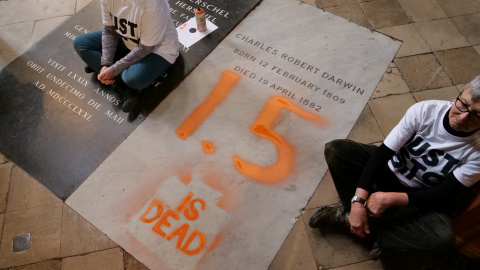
x,y
440,53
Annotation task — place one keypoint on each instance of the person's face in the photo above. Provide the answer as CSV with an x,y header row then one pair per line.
x,y
465,113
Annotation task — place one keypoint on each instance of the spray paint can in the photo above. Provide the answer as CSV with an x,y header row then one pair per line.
x,y
201,21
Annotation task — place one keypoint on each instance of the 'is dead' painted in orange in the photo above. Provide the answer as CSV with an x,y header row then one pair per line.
x,y
191,213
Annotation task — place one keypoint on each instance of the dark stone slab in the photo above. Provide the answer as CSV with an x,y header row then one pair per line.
x,y
59,123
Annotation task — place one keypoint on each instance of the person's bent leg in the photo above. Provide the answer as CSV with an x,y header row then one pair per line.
x,y
143,73
426,232
89,47
346,160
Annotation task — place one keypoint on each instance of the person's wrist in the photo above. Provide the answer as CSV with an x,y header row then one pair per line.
x,y
358,200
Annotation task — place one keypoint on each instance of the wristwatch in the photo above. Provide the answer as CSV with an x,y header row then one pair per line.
x,y
359,199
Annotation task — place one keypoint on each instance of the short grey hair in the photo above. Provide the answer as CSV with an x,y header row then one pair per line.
x,y
474,86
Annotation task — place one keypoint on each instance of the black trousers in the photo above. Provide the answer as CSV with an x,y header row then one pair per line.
x,y
398,228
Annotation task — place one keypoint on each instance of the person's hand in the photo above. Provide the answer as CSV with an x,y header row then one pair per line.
x,y
106,75
358,220
377,203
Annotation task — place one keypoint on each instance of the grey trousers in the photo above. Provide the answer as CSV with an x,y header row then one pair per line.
x,y
398,229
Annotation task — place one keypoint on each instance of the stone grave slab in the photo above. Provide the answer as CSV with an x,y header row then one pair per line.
x,y
59,123
218,173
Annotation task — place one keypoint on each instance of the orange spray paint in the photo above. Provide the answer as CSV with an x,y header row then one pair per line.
x,y
216,96
208,147
286,154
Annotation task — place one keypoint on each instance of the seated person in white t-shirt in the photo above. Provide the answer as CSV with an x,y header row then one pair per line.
x,y
138,43
401,193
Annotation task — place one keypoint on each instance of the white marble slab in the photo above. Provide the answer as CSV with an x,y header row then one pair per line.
x,y
173,204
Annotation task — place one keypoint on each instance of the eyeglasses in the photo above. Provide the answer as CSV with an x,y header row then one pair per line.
x,y
463,107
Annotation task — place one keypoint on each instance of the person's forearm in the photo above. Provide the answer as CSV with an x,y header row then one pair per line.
x,y
380,201
374,167
362,193
385,198
436,195
396,199
135,55
109,45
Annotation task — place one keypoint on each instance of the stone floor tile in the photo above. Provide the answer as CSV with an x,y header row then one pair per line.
x,y
325,193
477,48
422,72
26,192
15,40
2,158
425,10
389,110
43,27
447,93
47,265
366,129
111,259
413,42
366,265
2,219
5,173
54,8
44,225
469,26
384,13
295,253
82,3
17,11
351,12
131,263
332,248
459,7
461,64
460,87
392,83
441,34
334,3
79,236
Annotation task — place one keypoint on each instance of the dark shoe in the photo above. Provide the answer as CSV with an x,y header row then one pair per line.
x,y
329,215
375,252
88,69
130,99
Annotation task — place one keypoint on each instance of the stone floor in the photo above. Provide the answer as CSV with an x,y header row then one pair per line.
x,y
440,53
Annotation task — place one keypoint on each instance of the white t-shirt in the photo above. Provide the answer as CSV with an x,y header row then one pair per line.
x,y
427,151
145,21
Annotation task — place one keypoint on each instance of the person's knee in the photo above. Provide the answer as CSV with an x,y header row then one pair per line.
x,y
446,242
81,43
332,148
440,236
443,241
77,43
133,83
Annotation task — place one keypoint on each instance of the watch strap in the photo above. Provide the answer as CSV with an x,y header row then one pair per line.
x,y
359,199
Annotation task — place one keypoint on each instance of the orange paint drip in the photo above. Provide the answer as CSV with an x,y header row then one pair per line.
x,y
230,195
262,127
208,147
214,244
216,96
